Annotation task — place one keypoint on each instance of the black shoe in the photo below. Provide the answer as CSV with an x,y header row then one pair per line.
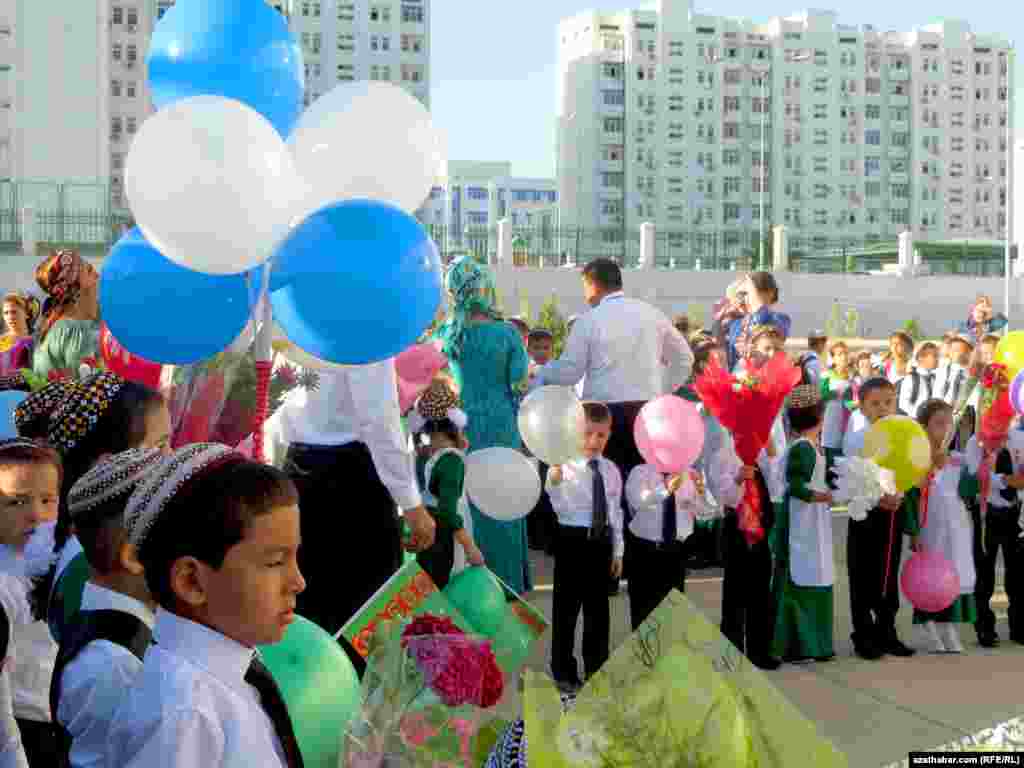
x,y
866,648
767,663
830,657
894,647
1016,638
988,639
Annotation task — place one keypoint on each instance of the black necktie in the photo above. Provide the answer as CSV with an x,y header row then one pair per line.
x,y
668,520
259,677
600,521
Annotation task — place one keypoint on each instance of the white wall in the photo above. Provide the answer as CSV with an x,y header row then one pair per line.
x,y
883,303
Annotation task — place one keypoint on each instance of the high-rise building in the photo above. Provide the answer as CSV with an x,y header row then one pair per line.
x,y
73,86
702,123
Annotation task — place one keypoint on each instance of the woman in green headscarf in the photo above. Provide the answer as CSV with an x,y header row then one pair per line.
x,y
488,361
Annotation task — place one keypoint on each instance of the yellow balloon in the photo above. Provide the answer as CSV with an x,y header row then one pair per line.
x,y
1010,352
899,444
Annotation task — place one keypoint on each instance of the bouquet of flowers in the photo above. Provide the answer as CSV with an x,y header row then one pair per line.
x,y
217,400
747,405
862,484
427,691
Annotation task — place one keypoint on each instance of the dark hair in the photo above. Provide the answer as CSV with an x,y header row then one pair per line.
x,y
597,413
682,324
818,344
121,428
929,408
101,532
40,453
874,385
808,417
541,334
209,516
604,273
444,427
702,355
764,283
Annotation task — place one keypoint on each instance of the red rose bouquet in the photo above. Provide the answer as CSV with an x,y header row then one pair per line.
x,y
747,405
426,690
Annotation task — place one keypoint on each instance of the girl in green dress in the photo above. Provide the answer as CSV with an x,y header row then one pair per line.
x,y
438,424
805,567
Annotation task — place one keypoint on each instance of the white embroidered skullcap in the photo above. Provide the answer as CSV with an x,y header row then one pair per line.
x,y
164,480
115,476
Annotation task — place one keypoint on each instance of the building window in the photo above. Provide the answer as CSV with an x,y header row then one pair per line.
x,y
412,14
131,54
115,127
117,15
614,180
115,88
614,98
613,124
132,18
385,43
115,51
130,124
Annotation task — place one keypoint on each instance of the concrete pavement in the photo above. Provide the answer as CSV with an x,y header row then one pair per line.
x,y
876,712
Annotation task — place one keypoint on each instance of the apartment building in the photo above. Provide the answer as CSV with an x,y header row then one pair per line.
x,y
708,123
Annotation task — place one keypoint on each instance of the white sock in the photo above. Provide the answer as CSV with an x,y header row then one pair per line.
x,y
930,638
950,635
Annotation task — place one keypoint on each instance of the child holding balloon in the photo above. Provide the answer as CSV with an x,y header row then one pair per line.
x,y
940,523
587,498
438,424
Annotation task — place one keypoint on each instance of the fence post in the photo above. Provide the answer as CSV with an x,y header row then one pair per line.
x,y
504,242
648,246
780,248
906,253
29,232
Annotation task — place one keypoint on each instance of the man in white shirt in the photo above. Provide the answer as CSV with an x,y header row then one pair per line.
x,y
350,460
621,349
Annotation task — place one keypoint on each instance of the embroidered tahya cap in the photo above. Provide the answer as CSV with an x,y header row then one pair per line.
x,y
117,475
165,480
804,396
66,411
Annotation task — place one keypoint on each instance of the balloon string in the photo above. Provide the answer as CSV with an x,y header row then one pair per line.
x,y
263,371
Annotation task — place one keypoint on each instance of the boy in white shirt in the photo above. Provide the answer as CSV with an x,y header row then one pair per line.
x,y
218,536
102,650
918,386
587,498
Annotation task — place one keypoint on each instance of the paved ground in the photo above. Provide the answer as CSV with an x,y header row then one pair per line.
x,y
876,712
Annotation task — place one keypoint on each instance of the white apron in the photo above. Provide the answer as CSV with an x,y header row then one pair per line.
x,y
810,534
947,528
429,500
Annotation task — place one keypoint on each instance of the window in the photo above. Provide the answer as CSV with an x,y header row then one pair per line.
x,y
374,43
132,17
899,216
731,157
821,111
731,104
385,43
612,179
900,139
115,88
412,14
117,15
872,166
613,71
131,54
129,90
115,126
613,124
614,98
873,86
130,124
731,131
731,185
873,137
115,51
873,189
899,191
873,112
732,76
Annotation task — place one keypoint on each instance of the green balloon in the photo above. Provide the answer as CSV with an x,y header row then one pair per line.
x,y
66,599
319,686
480,598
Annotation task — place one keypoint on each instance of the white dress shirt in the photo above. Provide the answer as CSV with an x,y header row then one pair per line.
x,y
190,706
573,498
355,404
646,492
622,347
926,389
97,680
12,602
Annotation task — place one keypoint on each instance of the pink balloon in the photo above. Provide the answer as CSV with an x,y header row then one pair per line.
x,y
930,582
420,364
669,433
407,394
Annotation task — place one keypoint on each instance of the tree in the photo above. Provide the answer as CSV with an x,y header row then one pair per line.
x,y
913,329
552,320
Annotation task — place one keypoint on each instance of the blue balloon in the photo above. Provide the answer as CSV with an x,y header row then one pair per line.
x,y
8,402
355,283
239,49
164,312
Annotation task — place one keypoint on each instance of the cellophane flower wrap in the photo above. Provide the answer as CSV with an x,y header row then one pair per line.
x,y
676,694
428,698
747,405
216,400
862,484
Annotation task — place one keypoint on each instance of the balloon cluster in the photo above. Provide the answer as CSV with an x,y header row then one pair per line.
x,y
237,191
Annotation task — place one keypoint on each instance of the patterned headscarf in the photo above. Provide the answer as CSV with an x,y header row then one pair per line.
x,y
165,480
60,278
113,477
471,288
67,410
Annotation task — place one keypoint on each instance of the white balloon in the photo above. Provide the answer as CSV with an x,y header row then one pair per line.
x,y
366,140
211,184
551,422
502,482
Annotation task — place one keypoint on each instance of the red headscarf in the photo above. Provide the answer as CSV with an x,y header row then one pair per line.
x,y
60,278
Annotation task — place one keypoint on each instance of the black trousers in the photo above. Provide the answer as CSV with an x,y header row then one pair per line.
x,y
351,534
39,741
657,570
438,561
874,599
542,522
748,609
582,566
622,452
1001,533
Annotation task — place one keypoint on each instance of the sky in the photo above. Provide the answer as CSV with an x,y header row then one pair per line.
x,y
494,62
